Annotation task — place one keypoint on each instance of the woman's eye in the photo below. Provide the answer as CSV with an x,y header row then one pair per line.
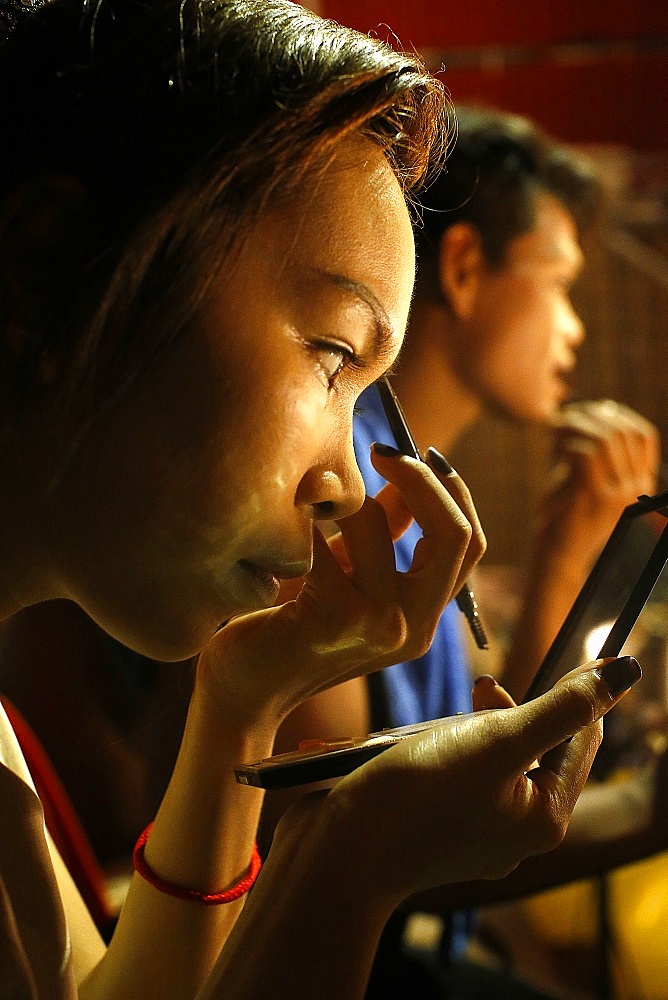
x,y
331,360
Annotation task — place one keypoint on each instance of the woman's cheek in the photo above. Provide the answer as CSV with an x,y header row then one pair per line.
x,y
305,421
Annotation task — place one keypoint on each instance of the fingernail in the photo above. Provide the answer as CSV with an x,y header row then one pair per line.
x,y
440,463
621,674
484,677
386,450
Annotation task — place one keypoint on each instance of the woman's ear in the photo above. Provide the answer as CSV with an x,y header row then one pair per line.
x,y
460,264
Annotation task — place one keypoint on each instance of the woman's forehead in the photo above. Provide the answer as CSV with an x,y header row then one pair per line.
x,y
351,220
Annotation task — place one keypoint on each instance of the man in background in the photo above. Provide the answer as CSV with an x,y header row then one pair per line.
x,y
493,329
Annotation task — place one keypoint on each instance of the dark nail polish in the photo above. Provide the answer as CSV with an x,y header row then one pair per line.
x,y
621,674
386,450
439,463
484,677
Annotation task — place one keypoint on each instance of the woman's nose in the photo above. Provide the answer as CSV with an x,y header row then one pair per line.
x,y
332,490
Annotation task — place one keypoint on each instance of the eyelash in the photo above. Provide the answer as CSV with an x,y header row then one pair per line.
x,y
348,359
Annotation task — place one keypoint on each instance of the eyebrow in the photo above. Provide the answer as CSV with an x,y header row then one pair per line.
x,y
384,334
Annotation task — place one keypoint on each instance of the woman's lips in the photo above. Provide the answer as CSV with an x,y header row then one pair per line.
x,y
265,583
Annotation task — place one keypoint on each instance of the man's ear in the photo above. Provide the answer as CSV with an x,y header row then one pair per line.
x,y
460,263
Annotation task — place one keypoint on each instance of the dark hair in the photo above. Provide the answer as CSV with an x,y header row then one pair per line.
x,y
178,122
498,165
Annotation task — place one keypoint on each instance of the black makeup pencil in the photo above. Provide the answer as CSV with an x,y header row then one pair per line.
x,y
405,442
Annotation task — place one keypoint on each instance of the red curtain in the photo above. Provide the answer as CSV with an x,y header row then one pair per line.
x,y
588,72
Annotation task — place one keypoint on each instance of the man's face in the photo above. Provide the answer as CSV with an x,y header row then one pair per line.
x,y
523,330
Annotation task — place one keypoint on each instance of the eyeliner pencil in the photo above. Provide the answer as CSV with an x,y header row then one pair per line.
x,y
465,599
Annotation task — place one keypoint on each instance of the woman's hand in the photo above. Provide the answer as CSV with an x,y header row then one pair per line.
x,y
355,612
473,797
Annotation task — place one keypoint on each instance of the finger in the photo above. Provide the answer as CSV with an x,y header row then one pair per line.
x,y
399,517
567,760
628,440
326,574
614,466
338,549
642,442
455,486
619,416
602,414
587,430
449,547
488,694
554,785
368,543
460,491
601,419
607,464
575,702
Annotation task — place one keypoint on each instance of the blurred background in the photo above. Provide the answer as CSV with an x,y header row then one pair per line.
x,y
592,74
595,75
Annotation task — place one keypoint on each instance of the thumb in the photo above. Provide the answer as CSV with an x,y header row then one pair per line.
x,y
576,701
487,693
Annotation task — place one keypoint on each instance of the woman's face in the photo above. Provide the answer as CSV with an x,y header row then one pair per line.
x,y
199,491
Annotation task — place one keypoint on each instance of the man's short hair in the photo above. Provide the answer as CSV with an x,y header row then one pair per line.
x,y
498,165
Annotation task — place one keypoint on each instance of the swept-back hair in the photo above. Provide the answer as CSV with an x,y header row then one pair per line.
x,y
160,129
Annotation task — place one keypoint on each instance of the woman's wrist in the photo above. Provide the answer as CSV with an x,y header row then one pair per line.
x,y
228,895
206,825
311,906
355,838
218,720
223,691
327,845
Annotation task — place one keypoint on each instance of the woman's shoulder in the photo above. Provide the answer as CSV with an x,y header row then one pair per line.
x,y
26,873
11,754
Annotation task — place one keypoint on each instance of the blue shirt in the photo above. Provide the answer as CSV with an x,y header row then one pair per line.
x,y
438,683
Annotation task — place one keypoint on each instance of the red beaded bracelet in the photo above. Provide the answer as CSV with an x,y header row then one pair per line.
x,y
209,898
